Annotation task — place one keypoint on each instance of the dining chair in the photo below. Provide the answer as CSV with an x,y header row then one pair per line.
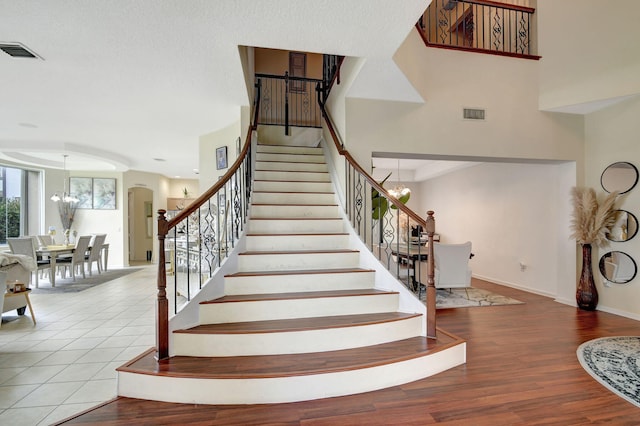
x,y
26,246
77,259
95,252
451,266
45,240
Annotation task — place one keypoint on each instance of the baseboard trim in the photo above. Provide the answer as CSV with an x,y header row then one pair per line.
x,y
514,285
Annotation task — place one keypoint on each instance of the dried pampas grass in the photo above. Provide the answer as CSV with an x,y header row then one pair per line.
x,y
591,219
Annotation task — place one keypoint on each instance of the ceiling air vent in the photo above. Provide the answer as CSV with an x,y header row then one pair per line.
x,y
17,50
473,114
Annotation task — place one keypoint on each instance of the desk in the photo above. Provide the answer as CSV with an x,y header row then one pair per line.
x,y
53,252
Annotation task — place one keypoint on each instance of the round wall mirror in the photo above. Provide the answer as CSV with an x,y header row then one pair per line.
x,y
618,267
621,177
624,228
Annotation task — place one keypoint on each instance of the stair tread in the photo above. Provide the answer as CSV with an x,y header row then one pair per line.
x,y
298,295
296,218
301,272
264,366
293,192
291,171
291,181
298,324
288,161
294,204
276,234
284,252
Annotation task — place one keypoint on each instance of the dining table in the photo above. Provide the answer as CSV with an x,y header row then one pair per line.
x,y
53,252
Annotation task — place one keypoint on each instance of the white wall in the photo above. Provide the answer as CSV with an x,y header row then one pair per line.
x,y
208,144
110,222
589,50
449,81
612,136
510,212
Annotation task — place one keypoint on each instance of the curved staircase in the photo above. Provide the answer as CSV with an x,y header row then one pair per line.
x,y
300,319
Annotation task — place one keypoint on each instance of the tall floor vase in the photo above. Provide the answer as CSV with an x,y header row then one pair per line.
x,y
586,293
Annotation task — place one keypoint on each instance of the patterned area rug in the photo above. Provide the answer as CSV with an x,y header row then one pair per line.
x,y
68,286
468,297
615,363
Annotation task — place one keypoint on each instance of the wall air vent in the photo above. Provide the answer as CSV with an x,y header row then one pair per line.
x,y
17,50
473,114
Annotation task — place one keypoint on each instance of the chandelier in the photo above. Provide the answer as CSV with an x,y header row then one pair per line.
x,y
400,191
66,197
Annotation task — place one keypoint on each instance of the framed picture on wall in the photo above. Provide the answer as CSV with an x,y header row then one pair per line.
x,y
104,193
82,189
221,157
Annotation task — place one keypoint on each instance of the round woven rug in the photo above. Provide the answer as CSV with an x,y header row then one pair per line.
x,y
614,362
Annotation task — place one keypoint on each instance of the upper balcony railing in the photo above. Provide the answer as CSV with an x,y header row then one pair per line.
x,y
480,26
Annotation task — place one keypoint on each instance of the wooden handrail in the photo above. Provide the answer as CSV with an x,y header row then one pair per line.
x,y
162,313
374,184
198,202
428,225
501,5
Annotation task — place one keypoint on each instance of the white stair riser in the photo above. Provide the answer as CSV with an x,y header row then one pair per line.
x,y
297,242
292,176
297,261
287,389
263,310
296,226
294,211
302,167
307,341
292,198
288,149
276,186
289,283
291,158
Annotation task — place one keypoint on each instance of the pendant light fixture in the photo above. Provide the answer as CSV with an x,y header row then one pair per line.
x,y
66,197
400,191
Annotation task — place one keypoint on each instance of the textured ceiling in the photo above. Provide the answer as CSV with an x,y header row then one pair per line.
x,y
122,83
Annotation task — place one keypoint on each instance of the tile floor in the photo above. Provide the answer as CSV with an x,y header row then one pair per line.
x,y
66,363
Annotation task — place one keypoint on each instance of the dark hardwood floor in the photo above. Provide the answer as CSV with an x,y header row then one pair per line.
x,y
521,370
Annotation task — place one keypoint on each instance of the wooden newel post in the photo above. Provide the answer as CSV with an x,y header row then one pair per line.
x,y
431,288
162,306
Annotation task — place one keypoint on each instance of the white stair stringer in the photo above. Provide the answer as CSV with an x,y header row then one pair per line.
x,y
301,289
